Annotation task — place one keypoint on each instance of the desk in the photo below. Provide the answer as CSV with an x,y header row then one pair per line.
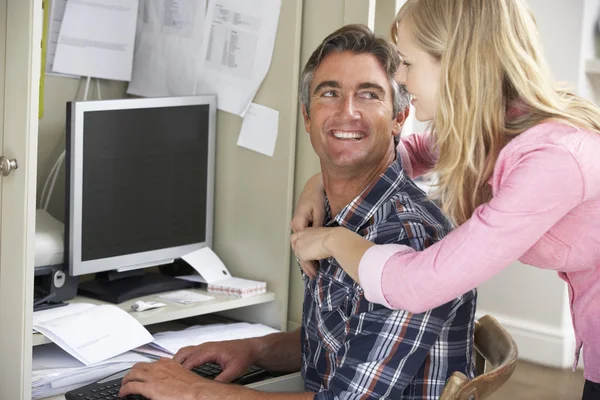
x,y
174,311
287,383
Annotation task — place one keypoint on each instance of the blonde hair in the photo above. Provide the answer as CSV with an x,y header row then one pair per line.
x,y
491,62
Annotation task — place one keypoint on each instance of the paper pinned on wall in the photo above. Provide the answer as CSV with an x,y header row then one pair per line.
x,y
259,129
96,39
57,12
166,61
237,50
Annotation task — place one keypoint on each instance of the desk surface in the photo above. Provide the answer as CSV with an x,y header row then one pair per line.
x,y
173,311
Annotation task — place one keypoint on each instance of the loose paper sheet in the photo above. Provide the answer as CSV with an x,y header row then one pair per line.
x,y
237,49
168,38
95,334
96,39
185,297
207,264
57,12
259,129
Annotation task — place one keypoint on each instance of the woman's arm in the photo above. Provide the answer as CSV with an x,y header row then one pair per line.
x,y
310,209
536,191
417,152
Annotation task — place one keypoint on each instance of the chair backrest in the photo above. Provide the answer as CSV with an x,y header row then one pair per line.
x,y
495,360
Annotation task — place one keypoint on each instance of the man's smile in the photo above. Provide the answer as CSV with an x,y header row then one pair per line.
x,y
347,135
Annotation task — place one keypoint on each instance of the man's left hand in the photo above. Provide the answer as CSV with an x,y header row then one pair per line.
x,y
166,379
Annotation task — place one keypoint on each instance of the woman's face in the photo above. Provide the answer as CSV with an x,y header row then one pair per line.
x,y
420,72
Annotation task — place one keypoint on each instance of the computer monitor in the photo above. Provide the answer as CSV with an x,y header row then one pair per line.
x,y
140,189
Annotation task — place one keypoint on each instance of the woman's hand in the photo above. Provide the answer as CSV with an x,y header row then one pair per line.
x,y
308,245
345,246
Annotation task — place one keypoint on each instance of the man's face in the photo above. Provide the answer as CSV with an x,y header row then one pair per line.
x,y
351,123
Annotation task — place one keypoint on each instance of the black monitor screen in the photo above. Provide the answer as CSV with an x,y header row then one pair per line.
x,y
144,179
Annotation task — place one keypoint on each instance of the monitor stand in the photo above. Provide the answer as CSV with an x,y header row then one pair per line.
x,y
117,287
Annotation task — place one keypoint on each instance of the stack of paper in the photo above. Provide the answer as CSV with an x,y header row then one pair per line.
x,y
170,342
56,372
91,333
238,287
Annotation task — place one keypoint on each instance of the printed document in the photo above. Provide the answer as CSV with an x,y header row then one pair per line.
x,y
57,12
172,341
96,39
237,49
169,34
95,334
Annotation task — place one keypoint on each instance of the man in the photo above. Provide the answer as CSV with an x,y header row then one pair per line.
x,y
347,347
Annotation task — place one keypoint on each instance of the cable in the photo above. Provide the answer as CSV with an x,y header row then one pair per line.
x,y
87,87
98,89
53,175
59,162
48,179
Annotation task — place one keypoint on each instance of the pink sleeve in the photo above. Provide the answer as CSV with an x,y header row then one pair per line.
x,y
417,153
535,191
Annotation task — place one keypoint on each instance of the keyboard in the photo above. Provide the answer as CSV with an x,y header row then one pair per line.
x,y
108,388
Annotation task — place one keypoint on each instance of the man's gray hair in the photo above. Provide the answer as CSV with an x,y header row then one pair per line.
x,y
357,39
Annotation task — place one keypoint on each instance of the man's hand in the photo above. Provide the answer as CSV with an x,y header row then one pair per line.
x,y
163,380
234,357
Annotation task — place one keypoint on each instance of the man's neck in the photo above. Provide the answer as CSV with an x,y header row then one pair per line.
x,y
342,187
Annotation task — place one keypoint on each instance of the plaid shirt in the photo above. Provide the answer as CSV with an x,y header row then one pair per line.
x,y
354,349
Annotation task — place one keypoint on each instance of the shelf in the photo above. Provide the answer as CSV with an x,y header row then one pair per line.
x,y
174,311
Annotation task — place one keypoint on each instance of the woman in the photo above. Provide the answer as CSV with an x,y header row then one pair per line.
x,y
517,161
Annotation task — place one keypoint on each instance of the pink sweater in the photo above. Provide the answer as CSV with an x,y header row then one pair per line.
x,y
545,211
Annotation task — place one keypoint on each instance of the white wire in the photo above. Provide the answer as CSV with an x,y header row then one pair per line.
x,y
54,172
98,89
87,87
53,175
48,179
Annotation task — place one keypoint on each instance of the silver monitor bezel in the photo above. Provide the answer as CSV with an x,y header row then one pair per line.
x,y
141,259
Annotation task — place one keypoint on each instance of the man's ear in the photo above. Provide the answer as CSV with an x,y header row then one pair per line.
x,y
399,121
306,119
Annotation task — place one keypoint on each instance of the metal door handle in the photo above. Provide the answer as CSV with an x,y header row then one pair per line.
x,y
7,165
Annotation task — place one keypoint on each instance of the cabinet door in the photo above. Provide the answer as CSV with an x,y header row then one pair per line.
x,y
20,39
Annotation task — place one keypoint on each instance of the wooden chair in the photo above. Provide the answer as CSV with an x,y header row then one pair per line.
x,y
495,360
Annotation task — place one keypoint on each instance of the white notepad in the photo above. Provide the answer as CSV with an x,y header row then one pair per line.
x,y
238,287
